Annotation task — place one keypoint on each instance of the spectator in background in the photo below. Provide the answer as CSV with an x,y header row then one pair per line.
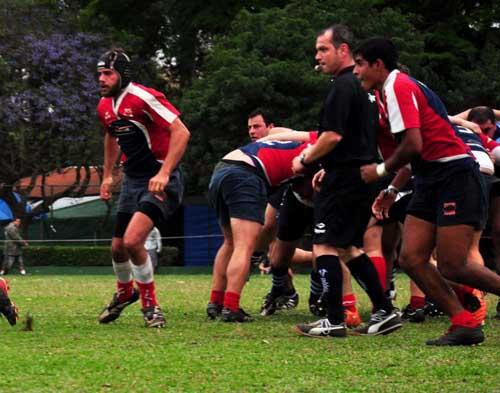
x,y
13,248
153,246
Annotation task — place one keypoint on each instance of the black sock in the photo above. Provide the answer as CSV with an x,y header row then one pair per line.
x,y
280,278
330,272
316,288
365,274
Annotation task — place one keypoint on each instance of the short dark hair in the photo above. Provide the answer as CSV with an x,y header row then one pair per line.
x,y
341,34
481,114
261,112
378,48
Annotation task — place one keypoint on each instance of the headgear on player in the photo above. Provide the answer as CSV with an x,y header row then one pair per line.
x,y
117,59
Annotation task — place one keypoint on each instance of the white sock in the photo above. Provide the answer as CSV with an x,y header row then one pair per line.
x,y
143,273
123,271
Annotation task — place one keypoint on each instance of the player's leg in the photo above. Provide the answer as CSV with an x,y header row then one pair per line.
x,y
7,308
219,279
245,233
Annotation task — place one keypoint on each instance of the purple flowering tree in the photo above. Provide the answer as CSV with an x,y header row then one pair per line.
x,y
48,96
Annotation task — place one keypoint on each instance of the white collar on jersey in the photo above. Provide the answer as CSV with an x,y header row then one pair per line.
x,y
390,78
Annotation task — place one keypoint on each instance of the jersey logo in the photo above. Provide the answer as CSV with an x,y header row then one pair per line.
x,y
128,112
107,115
319,228
371,97
449,208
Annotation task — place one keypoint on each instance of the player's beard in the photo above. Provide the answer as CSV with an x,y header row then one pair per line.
x,y
113,90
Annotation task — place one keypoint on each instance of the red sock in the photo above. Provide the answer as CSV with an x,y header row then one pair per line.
x,y
4,286
381,268
349,302
462,290
124,290
232,301
148,295
464,318
417,302
217,297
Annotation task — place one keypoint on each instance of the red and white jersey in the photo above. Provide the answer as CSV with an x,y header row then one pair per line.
x,y
411,104
275,158
146,108
385,140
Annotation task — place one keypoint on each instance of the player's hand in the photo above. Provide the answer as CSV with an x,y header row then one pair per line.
x,y
158,183
105,191
382,204
369,173
297,166
317,180
492,157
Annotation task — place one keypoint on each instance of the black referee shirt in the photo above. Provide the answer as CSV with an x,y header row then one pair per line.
x,y
351,112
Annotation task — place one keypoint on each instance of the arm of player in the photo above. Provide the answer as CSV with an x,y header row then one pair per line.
x,y
327,141
387,197
179,138
409,148
286,134
111,153
465,123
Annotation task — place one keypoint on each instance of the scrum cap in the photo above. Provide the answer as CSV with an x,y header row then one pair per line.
x,y
117,60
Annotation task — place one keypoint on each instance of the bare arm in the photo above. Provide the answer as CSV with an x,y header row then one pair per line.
x,y
327,141
460,121
111,152
409,148
179,138
286,134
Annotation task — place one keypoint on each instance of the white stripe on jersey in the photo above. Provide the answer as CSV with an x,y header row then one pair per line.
x,y
393,110
116,104
151,100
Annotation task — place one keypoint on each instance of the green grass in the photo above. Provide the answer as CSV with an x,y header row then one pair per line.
x,y
68,351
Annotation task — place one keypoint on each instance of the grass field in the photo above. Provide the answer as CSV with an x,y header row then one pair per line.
x,y
68,351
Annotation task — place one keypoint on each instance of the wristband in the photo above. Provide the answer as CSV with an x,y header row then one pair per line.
x,y
391,190
301,160
381,171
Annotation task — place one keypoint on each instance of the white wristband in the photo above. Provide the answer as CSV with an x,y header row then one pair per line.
x,y
381,171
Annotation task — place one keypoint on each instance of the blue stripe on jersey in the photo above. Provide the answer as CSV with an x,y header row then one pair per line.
x,y
253,148
434,102
470,138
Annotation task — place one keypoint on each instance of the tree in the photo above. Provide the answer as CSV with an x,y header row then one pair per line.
x,y
460,55
266,60
47,100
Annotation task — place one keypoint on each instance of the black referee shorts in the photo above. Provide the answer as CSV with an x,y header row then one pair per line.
x,y
342,208
293,217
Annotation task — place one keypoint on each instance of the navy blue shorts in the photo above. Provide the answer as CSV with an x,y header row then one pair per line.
x,y
134,193
237,191
342,208
457,198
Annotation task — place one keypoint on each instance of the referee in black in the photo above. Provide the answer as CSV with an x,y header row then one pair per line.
x,y
342,207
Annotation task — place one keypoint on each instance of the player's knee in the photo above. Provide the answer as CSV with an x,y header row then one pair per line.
x,y
131,242
407,261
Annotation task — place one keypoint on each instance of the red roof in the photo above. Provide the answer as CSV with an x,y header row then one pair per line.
x,y
58,181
